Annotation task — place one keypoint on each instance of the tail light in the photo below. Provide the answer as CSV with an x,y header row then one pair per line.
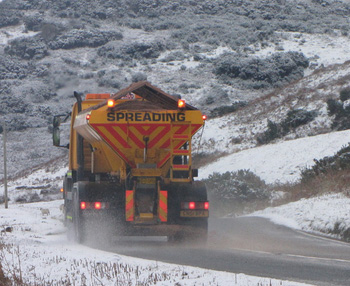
x,y
93,205
98,205
204,117
195,205
82,205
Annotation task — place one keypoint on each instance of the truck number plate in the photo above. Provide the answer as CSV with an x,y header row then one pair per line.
x,y
147,181
194,213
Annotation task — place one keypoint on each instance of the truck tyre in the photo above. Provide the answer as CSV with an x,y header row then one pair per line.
x,y
78,223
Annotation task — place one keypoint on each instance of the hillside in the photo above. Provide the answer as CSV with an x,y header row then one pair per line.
x,y
262,58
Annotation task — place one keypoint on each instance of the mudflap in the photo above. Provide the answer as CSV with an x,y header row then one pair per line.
x,y
194,229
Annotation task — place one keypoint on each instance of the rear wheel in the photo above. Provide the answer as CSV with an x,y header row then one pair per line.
x,y
78,223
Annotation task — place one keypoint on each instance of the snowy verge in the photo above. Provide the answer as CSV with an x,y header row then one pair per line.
x,y
327,214
38,251
280,162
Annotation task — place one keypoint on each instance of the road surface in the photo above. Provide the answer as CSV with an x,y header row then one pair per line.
x,y
254,246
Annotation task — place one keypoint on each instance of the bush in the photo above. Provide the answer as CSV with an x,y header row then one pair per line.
x,y
108,79
241,190
339,161
33,22
273,132
334,107
77,38
27,48
222,110
131,51
340,110
294,119
272,71
344,94
139,76
9,17
12,68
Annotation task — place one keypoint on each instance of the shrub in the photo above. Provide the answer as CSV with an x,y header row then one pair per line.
x,y
139,76
131,51
222,110
78,38
339,161
294,119
27,48
274,71
33,22
344,94
273,132
12,68
334,107
9,17
340,110
108,79
241,190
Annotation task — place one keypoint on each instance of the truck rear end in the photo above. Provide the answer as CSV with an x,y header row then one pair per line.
x,y
130,166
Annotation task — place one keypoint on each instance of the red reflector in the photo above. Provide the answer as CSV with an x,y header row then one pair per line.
x,y
204,117
111,103
83,205
88,117
181,103
98,205
191,205
206,205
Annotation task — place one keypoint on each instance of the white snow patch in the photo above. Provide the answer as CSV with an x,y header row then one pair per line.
x,y
10,33
322,49
318,214
281,162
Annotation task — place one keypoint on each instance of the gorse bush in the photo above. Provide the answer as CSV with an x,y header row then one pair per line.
x,y
236,191
272,71
294,119
340,109
337,162
78,38
222,110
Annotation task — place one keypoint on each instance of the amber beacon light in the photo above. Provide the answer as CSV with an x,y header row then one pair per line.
x,y
181,104
110,103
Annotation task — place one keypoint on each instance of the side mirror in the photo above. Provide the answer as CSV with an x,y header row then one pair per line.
x,y
56,121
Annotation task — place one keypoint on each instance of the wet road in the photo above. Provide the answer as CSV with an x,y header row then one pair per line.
x,y
254,246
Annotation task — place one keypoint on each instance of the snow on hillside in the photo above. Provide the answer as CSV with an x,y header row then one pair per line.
x,y
321,49
281,162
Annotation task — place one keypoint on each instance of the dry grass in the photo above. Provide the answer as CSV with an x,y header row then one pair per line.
x,y
331,182
202,159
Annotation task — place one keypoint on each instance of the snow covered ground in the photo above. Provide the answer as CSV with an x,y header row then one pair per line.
x,y
320,215
280,162
39,251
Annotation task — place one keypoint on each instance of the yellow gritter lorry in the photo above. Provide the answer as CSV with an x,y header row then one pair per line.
x,y
130,166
